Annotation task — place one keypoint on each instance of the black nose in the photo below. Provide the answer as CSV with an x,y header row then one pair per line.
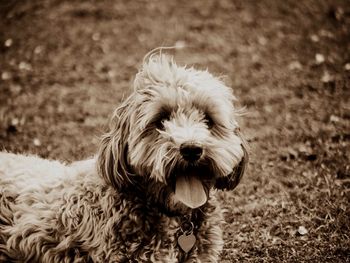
x,y
191,152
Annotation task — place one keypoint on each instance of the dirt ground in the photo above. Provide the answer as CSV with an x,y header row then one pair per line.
x,y
65,65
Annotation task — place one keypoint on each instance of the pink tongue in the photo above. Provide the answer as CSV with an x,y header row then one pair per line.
x,y
190,191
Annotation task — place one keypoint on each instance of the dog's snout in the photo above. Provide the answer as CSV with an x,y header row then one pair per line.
x,y
190,151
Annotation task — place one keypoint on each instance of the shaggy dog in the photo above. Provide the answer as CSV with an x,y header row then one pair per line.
x,y
148,196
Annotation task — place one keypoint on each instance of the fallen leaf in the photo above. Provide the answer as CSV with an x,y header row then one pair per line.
x,y
24,66
262,40
5,75
295,65
326,77
334,118
304,149
180,44
314,38
293,154
36,142
111,74
15,121
336,13
326,33
38,49
15,89
96,36
302,230
8,42
319,59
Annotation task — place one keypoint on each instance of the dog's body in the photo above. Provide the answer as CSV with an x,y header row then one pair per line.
x,y
56,213
148,196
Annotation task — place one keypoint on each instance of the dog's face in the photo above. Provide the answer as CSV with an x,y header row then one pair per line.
x,y
177,131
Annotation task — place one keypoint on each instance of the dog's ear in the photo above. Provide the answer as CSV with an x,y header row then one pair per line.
x,y
112,160
230,181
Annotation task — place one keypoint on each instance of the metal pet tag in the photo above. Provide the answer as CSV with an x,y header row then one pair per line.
x,y
186,241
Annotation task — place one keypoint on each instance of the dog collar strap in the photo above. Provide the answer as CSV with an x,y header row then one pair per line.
x,y
187,239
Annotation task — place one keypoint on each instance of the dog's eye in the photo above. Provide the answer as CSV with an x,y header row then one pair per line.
x,y
208,120
161,117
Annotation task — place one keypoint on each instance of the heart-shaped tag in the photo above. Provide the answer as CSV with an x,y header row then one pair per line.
x,y
186,242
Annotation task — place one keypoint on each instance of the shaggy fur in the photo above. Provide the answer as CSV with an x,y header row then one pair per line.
x,y
171,143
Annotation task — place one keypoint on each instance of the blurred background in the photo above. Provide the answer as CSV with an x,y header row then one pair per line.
x,y
65,65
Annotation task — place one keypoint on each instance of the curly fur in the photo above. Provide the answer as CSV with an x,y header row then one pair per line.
x,y
122,206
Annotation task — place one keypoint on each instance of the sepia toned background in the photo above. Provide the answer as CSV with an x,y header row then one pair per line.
x,y
66,64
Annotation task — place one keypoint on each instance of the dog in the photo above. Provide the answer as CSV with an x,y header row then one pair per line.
x,y
148,195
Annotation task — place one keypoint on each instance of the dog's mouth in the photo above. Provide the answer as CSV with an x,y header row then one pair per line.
x,y
191,187
190,191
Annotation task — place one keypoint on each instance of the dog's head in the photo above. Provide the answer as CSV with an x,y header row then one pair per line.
x,y
177,132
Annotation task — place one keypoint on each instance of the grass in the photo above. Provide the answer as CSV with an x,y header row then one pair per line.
x,y
65,65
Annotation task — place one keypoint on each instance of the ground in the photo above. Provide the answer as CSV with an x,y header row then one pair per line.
x,y
65,65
